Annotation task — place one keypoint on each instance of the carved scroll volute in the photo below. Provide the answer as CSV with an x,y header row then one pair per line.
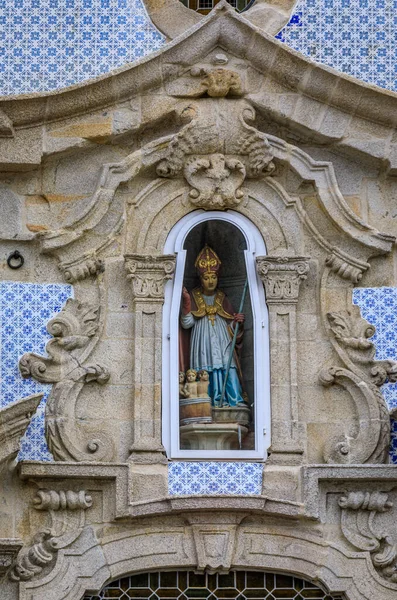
x,y
65,510
350,335
74,332
359,510
282,278
148,276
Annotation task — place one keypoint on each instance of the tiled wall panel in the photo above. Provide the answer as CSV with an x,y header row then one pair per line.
x,y
50,44
25,309
357,37
214,478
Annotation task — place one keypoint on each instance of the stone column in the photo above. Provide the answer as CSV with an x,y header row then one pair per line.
x,y
281,277
148,275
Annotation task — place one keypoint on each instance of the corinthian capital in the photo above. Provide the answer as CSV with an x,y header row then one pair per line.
x,y
282,277
148,274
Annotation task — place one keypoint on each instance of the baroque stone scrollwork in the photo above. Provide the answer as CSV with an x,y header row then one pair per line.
x,y
352,333
31,561
359,526
345,268
149,274
73,330
87,266
361,378
282,277
216,149
64,530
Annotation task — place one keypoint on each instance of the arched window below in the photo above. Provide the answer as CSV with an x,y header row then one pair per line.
x,y
235,585
216,398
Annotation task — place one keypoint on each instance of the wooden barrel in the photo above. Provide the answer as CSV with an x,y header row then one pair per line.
x,y
195,410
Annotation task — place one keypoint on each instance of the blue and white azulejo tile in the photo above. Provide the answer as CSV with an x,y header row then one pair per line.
x,y
357,37
214,478
50,44
25,309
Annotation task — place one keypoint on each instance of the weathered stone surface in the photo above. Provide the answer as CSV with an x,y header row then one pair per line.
x,y
223,118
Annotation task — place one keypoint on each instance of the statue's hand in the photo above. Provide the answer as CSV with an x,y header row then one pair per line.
x,y
239,318
186,301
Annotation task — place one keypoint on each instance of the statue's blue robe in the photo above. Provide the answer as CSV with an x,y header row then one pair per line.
x,y
210,346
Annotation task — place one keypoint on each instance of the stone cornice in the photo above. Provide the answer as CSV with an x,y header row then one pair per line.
x,y
271,57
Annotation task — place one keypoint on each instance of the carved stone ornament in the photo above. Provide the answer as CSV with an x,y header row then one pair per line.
x,y
359,526
217,82
282,277
87,266
61,500
352,333
344,267
217,149
65,528
31,561
73,330
361,378
148,275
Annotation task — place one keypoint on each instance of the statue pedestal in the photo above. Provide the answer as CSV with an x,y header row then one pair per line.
x,y
232,414
212,436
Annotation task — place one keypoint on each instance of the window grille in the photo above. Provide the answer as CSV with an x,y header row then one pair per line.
x,y
187,585
205,4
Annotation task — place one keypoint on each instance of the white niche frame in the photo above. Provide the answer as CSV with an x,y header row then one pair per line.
x,y
170,363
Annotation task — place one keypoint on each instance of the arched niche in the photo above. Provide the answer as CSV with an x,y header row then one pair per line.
x,y
184,240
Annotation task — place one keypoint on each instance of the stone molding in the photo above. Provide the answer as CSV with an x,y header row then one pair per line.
x,y
148,275
282,277
216,150
173,20
74,332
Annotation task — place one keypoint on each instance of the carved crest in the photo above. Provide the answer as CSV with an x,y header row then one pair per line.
x,y
216,150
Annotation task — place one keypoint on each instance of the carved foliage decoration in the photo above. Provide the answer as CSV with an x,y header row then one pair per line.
x,y
216,149
282,277
73,330
360,528
148,275
362,376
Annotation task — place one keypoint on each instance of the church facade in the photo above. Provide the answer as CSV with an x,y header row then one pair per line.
x,y
224,159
